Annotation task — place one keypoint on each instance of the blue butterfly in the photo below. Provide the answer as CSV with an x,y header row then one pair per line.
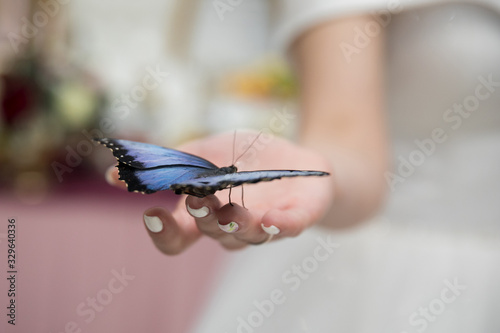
x,y
148,168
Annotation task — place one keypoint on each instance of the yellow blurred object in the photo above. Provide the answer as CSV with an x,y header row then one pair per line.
x,y
270,80
75,103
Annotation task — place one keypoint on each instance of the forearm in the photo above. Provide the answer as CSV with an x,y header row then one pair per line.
x,y
342,115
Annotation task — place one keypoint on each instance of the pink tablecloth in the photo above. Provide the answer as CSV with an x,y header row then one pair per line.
x,y
86,264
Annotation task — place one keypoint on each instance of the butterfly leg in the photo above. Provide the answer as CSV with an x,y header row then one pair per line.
x,y
230,188
242,200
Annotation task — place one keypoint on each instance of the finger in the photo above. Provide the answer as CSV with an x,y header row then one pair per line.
x,y
286,223
172,233
112,178
243,224
203,210
230,243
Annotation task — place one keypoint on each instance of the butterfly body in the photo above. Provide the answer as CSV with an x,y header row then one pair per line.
x,y
204,188
149,168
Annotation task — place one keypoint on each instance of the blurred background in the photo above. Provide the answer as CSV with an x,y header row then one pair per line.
x,y
159,71
165,72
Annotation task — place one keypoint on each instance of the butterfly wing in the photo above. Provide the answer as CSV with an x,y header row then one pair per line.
x,y
149,168
156,179
144,155
205,185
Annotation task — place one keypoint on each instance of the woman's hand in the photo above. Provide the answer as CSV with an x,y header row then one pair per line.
x,y
276,209
342,124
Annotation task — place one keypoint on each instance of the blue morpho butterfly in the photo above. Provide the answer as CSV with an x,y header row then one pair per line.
x,y
149,168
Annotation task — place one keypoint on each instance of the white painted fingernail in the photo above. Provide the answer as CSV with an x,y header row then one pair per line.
x,y
271,230
229,228
153,223
200,212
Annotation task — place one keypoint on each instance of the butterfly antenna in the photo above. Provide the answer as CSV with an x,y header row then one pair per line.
x,y
248,147
234,147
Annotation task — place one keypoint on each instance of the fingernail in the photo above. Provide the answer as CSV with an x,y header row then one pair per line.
x,y
271,230
109,176
200,212
153,223
229,228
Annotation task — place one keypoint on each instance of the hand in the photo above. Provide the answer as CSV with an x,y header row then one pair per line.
x,y
281,208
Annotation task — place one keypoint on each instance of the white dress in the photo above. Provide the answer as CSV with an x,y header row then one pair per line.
x,y
431,261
